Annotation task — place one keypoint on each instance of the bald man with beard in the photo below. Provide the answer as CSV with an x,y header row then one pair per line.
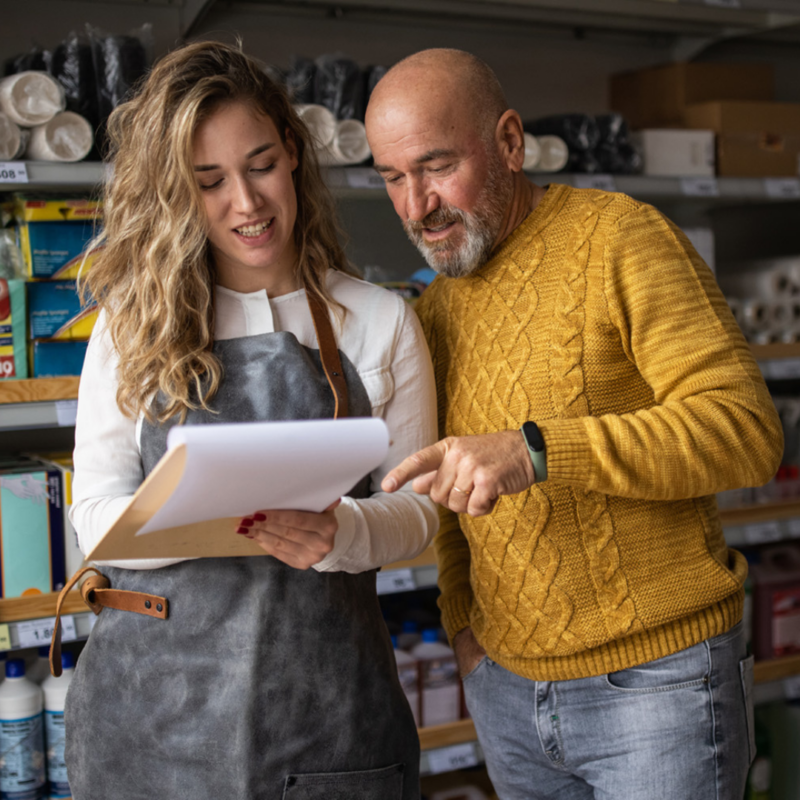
x,y
594,394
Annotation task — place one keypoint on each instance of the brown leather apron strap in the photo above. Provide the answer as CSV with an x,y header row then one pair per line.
x,y
328,352
97,594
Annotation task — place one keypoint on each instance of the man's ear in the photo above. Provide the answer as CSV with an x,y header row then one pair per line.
x,y
510,138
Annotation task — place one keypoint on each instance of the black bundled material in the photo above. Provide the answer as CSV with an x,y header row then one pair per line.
x,y
73,67
580,133
338,86
35,59
373,75
300,80
615,152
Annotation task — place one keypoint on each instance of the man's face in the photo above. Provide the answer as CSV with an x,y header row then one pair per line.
x,y
447,183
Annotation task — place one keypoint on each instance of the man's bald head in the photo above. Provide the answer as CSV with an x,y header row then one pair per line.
x,y
444,74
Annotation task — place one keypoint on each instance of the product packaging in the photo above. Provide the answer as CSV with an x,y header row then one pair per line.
x,y
685,153
13,361
54,359
55,250
55,311
776,622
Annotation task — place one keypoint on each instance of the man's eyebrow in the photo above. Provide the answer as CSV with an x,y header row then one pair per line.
x,y
431,155
254,152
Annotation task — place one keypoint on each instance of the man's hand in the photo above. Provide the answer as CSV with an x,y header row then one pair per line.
x,y
468,652
468,473
298,538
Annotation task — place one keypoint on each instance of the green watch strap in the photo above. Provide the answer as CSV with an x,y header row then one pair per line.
x,y
535,444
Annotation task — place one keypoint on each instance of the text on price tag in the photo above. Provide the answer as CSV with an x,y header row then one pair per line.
x,y
447,759
700,187
396,580
13,172
763,532
364,179
605,183
39,632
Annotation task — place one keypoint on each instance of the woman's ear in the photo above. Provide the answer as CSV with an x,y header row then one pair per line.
x,y
291,148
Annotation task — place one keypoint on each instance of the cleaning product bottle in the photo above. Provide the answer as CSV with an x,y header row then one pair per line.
x,y
40,668
21,735
55,693
407,670
409,635
441,685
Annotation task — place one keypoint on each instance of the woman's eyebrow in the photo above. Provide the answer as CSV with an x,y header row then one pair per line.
x,y
260,149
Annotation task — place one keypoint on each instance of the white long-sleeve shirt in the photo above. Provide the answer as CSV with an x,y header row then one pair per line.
x,y
381,337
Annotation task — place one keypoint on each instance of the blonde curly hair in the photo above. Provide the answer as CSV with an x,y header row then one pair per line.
x,y
152,273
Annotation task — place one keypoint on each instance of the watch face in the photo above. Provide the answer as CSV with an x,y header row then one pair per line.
x,y
533,436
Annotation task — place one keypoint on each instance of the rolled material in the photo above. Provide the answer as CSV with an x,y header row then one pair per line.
x,y
767,284
755,315
31,98
533,152
320,122
66,137
13,139
554,153
349,145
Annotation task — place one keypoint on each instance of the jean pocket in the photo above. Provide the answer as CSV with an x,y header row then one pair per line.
x,y
475,669
684,669
746,676
370,784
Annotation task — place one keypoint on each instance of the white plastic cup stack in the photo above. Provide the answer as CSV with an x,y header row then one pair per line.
x,y
554,153
533,152
31,98
66,137
13,139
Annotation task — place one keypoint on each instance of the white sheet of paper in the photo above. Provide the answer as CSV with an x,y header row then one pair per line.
x,y
236,469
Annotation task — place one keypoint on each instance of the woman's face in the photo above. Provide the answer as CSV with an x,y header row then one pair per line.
x,y
244,171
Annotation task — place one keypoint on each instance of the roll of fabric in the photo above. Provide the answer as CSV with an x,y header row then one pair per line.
x,y
31,98
66,137
320,122
755,316
13,139
554,153
533,152
766,284
349,145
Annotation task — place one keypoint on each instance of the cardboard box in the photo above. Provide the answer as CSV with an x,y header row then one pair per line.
x,y
55,311
53,359
35,209
753,139
656,97
31,530
670,152
55,250
13,361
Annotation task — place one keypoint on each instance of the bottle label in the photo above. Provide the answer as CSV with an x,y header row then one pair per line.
x,y
21,758
57,785
408,677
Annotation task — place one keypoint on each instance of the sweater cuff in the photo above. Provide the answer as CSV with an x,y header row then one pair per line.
x,y
455,613
569,452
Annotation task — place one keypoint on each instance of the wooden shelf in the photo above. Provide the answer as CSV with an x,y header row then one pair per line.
x,y
18,609
761,513
445,735
767,352
34,390
776,669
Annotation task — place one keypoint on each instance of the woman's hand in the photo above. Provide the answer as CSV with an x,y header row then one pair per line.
x,y
298,538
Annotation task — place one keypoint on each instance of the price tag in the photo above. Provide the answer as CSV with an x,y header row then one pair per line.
x,y
780,368
782,188
38,632
447,759
700,187
763,532
364,179
603,182
13,172
791,687
793,527
7,368
724,3
66,412
396,580
92,621
5,638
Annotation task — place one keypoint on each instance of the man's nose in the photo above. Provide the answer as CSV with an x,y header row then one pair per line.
x,y
419,201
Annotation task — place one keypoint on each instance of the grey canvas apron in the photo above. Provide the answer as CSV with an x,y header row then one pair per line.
x,y
265,682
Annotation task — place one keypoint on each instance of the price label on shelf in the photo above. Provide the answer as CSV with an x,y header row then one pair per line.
x,y
447,759
700,187
38,632
605,183
13,172
793,527
724,3
66,412
763,532
5,638
782,188
364,179
781,368
396,580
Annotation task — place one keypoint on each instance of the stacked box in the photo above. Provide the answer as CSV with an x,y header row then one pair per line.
x,y
13,363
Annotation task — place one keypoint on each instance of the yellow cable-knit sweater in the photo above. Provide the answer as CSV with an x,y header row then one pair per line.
x,y
597,319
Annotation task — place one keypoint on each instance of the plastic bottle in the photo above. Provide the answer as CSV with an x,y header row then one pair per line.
x,y
408,672
409,635
22,773
40,668
55,693
441,686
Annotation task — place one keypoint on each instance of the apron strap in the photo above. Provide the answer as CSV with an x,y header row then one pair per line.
x,y
328,352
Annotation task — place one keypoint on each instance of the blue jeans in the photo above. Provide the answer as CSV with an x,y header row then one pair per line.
x,y
678,728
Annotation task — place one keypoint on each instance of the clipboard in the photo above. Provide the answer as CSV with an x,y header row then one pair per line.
x,y
213,475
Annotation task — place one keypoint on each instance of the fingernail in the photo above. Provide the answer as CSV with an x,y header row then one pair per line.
x,y
242,530
389,485
259,517
247,522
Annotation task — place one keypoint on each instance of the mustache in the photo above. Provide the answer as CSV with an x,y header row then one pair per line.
x,y
441,216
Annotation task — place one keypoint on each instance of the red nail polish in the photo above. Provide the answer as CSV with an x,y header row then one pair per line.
x,y
247,522
259,517
242,530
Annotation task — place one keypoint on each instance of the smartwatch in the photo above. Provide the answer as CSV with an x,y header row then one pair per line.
x,y
535,444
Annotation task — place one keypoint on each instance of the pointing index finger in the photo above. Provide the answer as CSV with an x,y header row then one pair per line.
x,y
420,463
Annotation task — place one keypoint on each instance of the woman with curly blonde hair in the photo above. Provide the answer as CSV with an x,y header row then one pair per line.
x,y
225,296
